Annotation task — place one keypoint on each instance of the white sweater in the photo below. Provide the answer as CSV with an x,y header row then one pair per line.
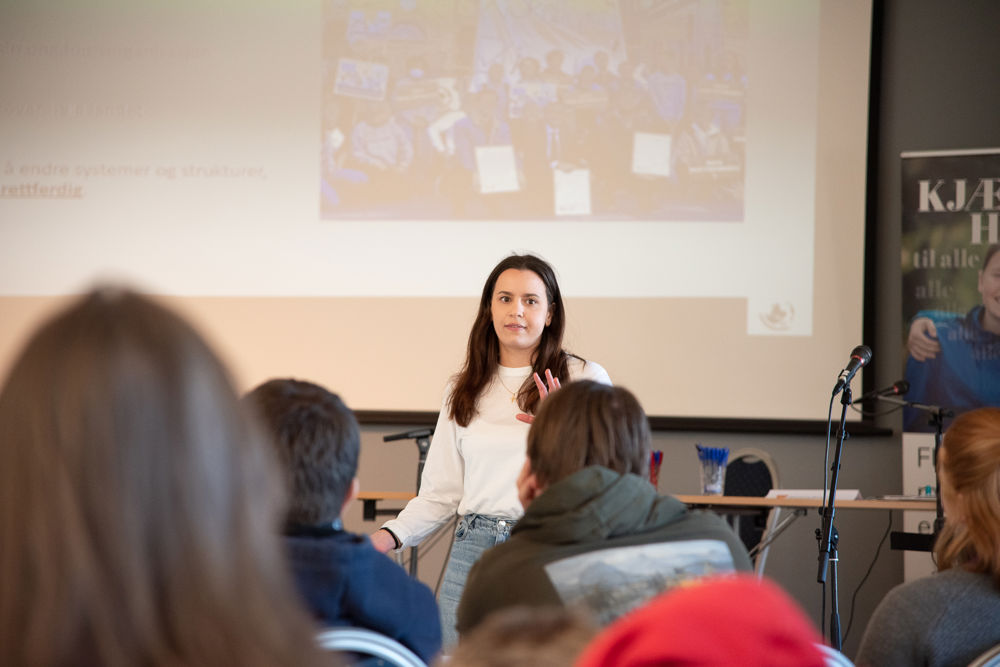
x,y
473,469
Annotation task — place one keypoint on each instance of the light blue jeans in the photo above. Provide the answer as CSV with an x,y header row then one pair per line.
x,y
474,534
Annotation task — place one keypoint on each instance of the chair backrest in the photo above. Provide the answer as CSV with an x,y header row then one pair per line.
x,y
990,658
834,658
750,472
368,643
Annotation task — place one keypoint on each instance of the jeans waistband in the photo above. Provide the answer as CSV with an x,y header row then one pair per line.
x,y
496,527
486,520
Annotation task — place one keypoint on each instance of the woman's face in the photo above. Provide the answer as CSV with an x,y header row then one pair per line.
x,y
989,287
520,311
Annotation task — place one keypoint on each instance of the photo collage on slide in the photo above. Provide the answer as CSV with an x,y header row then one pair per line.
x,y
510,110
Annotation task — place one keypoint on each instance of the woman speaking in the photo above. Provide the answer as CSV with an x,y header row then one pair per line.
x,y
479,441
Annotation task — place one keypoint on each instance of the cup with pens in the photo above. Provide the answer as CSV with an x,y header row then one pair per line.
x,y
713,469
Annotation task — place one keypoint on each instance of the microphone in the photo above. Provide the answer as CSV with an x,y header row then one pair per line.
x,y
860,356
417,433
897,388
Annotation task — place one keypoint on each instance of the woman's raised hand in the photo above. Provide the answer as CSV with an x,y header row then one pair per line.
x,y
544,389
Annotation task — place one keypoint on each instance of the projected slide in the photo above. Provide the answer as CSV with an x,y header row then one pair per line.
x,y
534,110
398,148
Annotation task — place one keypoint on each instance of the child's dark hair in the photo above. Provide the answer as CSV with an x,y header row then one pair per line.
x,y
317,440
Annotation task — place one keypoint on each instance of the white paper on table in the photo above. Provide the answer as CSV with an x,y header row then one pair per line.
x,y
842,494
651,154
497,169
572,191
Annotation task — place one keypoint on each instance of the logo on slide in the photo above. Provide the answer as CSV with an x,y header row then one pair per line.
x,y
779,318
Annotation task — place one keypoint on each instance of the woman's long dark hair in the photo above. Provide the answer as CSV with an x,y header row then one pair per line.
x,y
483,354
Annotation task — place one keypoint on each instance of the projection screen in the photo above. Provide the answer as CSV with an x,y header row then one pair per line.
x,y
324,186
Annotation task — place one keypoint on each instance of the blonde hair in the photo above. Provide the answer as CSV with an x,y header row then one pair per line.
x,y
139,508
972,463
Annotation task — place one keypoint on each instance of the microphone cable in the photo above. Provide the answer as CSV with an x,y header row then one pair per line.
x,y
854,598
875,413
826,483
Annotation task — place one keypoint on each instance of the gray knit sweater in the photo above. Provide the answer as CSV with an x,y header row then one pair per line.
x,y
948,618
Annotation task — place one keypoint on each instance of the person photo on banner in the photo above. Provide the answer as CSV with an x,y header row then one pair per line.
x,y
954,359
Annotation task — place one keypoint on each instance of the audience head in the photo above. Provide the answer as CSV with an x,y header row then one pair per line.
x,y
731,620
969,474
587,423
526,636
138,506
317,441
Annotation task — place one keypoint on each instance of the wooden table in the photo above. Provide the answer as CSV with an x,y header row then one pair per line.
x,y
746,502
372,498
801,506
729,504
370,501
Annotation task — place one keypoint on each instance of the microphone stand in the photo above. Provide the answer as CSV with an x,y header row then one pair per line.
x,y
827,536
422,437
937,421
917,541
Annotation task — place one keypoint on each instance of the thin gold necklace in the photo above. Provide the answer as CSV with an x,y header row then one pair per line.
x,y
513,395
